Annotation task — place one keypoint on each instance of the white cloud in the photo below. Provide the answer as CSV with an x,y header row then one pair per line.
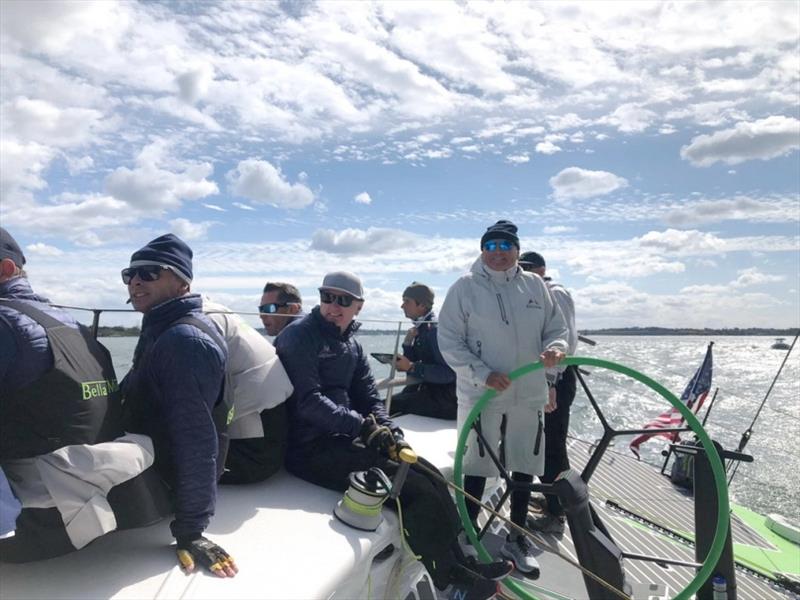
x,y
763,139
193,84
630,118
374,240
777,209
363,198
41,249
35,120
187,230
557,229
21,167
547,147
151,187
518,159
259,181
574,182
752,277
243,206
78,165
682,242
214,207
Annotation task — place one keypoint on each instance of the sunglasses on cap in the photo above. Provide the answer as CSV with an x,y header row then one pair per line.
x,y
272,307
502,245
329,298
145,273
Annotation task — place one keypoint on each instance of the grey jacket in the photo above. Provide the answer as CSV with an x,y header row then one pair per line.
x,y
499,321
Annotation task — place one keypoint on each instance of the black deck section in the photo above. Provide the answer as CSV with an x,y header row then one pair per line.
x,y
641,490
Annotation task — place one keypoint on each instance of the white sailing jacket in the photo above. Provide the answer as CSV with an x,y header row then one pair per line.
x,y
499,321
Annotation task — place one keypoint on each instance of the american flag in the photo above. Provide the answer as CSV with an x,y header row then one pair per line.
x,y
693,397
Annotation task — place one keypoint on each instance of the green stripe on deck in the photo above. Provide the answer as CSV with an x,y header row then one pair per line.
x,y
786,559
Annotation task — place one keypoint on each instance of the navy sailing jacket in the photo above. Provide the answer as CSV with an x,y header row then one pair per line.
x,y
25,353
333,385
429,364
181,371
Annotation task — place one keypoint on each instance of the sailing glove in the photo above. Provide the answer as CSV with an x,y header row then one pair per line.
x,y
377,437
207,554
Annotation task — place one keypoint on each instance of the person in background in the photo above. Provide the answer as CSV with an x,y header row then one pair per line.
x,y
495,319
562,386
435,394
257,432
338,424
175,393
74,475
279,299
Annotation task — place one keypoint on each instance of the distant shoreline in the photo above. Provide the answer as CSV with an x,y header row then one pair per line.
x,y
119,331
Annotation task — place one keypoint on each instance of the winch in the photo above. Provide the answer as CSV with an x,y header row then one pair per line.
x,y
362,502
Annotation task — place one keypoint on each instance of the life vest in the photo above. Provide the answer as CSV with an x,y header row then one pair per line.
x,y
140,412
77,401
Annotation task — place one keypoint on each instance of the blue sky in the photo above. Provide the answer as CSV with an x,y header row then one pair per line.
x,y
648,150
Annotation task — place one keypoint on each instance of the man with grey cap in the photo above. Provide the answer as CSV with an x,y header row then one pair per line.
x,y
435,394
562,383
338,424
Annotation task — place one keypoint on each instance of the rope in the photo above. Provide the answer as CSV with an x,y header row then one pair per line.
x,y
542,544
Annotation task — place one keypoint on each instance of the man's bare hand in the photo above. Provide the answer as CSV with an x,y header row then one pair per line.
x,y
551,357
402,363
498,381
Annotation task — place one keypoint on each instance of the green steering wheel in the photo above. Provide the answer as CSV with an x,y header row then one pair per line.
x,y
716,467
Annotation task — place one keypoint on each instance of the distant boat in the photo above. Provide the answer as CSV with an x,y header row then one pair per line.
x,y
780,344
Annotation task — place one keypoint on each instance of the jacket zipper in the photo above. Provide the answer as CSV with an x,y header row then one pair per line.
x,y
502,309
478,342
538,442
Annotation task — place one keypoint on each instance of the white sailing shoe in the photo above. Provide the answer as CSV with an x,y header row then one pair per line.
x,y
519,549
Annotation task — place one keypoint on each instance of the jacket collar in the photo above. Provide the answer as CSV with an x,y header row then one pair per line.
x,y
19,288
424,321
496,277
161,315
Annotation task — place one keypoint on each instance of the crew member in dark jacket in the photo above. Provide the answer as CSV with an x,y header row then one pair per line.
x,y
175,393
435,393
60,410
335,407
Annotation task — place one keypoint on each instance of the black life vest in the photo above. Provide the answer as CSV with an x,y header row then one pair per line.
x,y
141,414
77,401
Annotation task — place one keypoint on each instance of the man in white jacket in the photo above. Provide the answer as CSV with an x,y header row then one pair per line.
x,y
562,393
495,319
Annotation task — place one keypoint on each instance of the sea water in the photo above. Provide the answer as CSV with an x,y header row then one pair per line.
x,y
744,367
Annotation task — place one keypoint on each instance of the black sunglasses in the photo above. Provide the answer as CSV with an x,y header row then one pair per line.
x,y
145,273
272,307
328,298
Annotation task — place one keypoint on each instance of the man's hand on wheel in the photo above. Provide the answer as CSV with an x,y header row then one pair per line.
x,y
207,554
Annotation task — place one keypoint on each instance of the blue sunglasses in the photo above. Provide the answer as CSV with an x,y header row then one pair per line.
x,y
494,245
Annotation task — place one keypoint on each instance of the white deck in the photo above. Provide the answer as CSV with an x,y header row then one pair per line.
x,y
281,532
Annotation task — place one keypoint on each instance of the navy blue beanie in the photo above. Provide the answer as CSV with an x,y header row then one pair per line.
x,y
502,230
10,249
169,250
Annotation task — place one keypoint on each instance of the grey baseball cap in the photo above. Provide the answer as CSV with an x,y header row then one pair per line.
x,y
342,281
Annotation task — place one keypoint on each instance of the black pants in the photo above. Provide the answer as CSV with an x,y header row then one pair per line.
x,y
437,401
255,459
429,513
556,428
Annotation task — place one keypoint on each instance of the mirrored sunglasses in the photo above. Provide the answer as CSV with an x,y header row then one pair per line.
x,y
272,307
502,245
145,273
329,298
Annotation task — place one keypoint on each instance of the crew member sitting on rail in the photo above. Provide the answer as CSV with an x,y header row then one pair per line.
x,y
260,387
435,393
338,424
175,393
61,437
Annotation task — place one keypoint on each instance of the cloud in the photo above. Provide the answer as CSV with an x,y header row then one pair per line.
x,y
193,84
151,187
363,198
187,230
556,229
374,240
214,207
682,242
763,139
630,118
776,209
574,182
35,120
21,168
40,249
547,147
259,181
518,159
243,206
752,276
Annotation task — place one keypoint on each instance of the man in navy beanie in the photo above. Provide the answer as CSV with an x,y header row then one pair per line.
x,y
175,393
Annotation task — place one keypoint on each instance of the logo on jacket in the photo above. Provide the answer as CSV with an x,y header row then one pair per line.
x,y
532,303
326,352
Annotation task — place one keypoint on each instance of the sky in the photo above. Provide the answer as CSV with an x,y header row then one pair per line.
x,y
650,151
